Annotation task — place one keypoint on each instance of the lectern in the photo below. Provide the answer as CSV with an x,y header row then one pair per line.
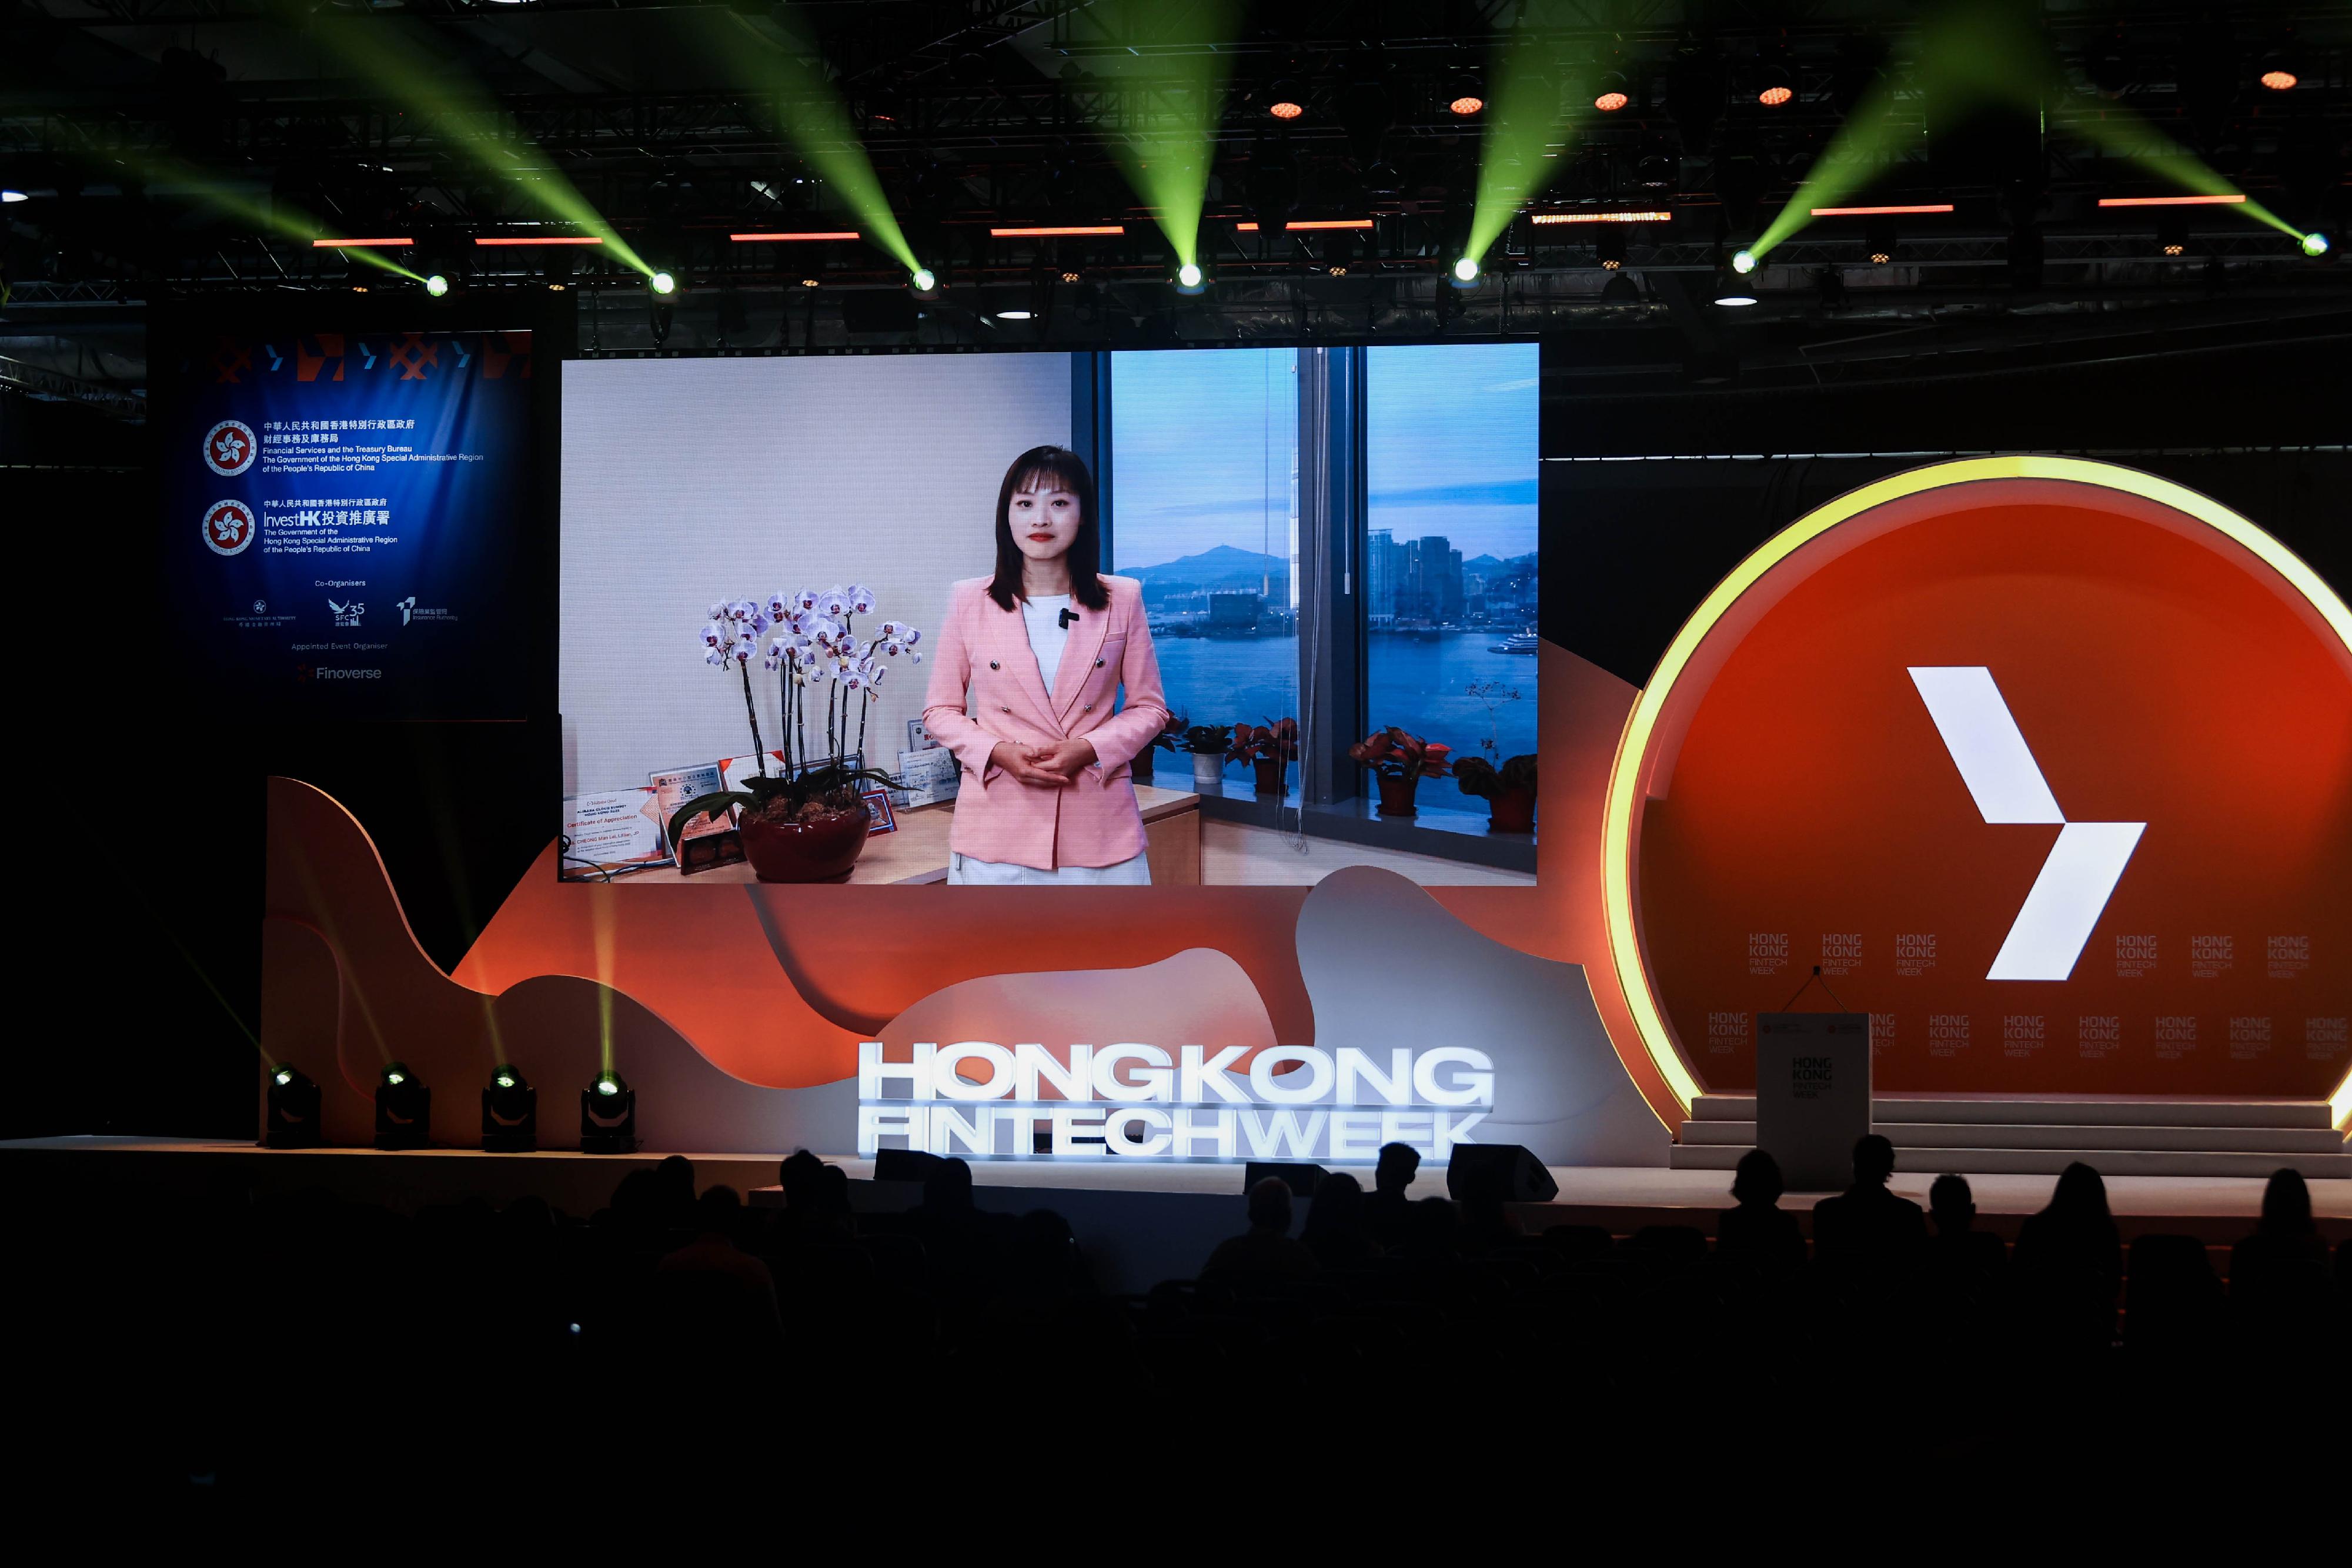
x,y
1813,1094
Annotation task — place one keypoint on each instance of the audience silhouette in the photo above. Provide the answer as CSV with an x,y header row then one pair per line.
x,y
1385,1206
1759,1233
1267,1250
2069,1265
1866,1237
1338,1231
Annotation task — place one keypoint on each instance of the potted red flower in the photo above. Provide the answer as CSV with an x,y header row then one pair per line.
x,y
1140,769
1509,790
1269,748
1400,761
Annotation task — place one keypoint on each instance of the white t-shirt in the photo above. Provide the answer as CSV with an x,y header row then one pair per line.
x,y
1041,614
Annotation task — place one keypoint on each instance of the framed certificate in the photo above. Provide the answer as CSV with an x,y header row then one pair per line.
x,y
709,840
877,811
608,834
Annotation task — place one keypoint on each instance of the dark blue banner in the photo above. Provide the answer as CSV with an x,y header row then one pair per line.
x,y
343,515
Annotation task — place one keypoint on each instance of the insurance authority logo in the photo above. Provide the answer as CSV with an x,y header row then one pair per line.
x,y
230,448
229,527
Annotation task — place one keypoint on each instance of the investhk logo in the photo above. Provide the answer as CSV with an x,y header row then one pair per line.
x,y
1998,768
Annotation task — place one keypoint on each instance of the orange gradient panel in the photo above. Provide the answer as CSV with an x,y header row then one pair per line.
x,y
2159,672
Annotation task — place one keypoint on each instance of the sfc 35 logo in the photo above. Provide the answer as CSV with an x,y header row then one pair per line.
x,y
229,527
347,614
230,448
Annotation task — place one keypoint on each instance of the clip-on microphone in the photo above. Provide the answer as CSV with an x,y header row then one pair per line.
x,y
1069,615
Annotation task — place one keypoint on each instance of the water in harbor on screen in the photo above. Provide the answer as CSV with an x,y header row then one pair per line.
x,y
1416,683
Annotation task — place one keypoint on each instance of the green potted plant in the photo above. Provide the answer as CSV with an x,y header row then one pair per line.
x,y
1206,742
1140,769
1400,761
1509,790
1269,748
806,823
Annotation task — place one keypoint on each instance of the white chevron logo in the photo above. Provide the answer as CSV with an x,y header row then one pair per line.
x,y
1998,768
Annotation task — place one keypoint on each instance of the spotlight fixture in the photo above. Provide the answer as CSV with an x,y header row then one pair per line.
x,y
922,280
1730,292
2278,79
403,1109
2315,244
1465,272
1774,96
1286,99
1609,248
608,1116
1743,262
1878,239
12,195
2172,233
1619,291
510,1113
1464,95
1610,92
1014,315
1189,278
293,1111
1069,277
662,282
808,283
436,286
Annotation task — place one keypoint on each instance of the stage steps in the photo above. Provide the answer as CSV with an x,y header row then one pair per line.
x,y
2042,1135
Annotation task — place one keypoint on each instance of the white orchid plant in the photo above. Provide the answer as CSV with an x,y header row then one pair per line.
x,y
808,640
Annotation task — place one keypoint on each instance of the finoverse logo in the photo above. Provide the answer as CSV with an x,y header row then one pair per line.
x,y
335,673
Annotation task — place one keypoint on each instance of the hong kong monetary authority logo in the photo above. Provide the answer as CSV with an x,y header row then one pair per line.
x,y
230,448
229,527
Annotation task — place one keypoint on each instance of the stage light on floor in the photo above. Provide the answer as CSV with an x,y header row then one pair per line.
x,y
2315,244
662,282
436,286
608,1116
922,280
510,1113
292,1110
1465,272
1189,278
1743,262
403,1109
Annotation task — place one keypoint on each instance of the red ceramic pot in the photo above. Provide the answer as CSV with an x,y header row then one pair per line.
x,y
1396,794
1270,780
1514,811
822,851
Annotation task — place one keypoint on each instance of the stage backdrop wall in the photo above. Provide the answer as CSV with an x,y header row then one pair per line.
x,y
881,470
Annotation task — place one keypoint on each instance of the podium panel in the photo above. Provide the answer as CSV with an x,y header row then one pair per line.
x,y
1813,1094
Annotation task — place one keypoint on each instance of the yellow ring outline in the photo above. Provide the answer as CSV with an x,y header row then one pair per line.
x,y
1617,821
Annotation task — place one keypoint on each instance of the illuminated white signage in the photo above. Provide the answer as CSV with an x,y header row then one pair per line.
x,y
981,1099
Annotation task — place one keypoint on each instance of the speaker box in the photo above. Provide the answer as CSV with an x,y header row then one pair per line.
x,y
905,1165
1300,1178
1498,1172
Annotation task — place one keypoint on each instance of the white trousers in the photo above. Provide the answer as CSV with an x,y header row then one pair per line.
x,y
963,871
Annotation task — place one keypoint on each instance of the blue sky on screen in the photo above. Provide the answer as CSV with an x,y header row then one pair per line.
x,y
1204,437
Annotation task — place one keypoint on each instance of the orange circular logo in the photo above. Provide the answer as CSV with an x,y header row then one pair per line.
x,y
2045,764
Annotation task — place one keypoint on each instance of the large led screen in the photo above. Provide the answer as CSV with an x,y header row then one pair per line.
x,y
1169,617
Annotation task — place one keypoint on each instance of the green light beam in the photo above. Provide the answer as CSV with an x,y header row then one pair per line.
x,y
1166,157
2123,134
380,49
1862,147
180,181
816,121
1522,135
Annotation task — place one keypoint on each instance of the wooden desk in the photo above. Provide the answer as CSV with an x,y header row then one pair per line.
x,y
917,852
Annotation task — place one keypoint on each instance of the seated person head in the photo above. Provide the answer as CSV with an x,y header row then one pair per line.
x,y
1399,1164
1874,1160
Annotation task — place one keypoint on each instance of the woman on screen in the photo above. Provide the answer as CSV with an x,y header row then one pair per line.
x,y
1031,661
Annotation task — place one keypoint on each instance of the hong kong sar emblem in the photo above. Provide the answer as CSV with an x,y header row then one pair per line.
x,y
229,527
230,448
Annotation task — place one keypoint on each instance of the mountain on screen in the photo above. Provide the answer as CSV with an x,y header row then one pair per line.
x,y
1224,567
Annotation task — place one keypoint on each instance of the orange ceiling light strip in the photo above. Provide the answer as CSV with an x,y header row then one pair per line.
x,y
1881,211
789,238
1645,217
361,244
2169,200
1050,230
540,239
1307,225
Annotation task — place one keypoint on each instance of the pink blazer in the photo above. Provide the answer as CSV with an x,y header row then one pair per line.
x,y
985,689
